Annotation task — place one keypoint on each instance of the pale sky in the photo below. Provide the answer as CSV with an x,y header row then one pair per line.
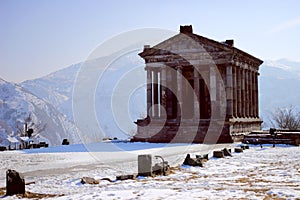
x,y
38,37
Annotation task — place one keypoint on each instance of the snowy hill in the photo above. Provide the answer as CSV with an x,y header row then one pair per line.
x,y
16,104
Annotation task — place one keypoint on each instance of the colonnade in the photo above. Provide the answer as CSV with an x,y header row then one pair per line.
x,y
241,85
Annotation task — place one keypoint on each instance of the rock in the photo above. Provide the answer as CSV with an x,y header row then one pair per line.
x,y
89,180
145,165
218,154
203,158
65,142
192,161
2,148
15,183
125,177
161,168
238,150
226,152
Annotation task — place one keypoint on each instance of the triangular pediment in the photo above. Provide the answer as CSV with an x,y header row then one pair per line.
x,y
186,43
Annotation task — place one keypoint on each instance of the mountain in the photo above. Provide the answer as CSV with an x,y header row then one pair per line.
x,y
279,87
56,88
98,84
16,103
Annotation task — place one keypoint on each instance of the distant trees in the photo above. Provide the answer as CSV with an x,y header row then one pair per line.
x,y
29,128
286,118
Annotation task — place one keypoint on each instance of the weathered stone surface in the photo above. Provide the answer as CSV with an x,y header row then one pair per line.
x,y
125,177
202,158
192,161
145,165
179,55
89,180
15,183
226,152
218,154
65,142
238,150
161,168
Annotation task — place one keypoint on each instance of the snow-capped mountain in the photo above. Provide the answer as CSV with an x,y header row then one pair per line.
x,y
279,87
58,89
16,103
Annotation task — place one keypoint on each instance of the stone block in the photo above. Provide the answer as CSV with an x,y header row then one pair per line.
x,y
125,177
192,161
89,180
218,154
15,183
161,168
226,152
145,165
238,150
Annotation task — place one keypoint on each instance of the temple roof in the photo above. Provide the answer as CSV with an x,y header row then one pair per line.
x,y
186,40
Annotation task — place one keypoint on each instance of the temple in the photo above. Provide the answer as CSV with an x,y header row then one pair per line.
x,y
199,91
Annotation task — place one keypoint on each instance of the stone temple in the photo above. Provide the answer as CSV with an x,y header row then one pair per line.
x,y
199,91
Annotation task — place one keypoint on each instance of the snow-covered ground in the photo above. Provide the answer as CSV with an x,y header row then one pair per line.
x,y
258,173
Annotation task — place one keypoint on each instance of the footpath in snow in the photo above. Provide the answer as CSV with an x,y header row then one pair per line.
x,y
256,173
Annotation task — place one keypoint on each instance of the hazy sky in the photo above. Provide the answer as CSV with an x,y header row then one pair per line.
x,y
41,36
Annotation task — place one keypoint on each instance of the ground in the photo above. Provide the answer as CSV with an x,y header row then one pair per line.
x,y
257,173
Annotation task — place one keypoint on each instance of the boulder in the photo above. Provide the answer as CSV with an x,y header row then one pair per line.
x,y
203,158
125,177
192,161
238,150
15,183
161,168
218,154
89,180
65,142
226,152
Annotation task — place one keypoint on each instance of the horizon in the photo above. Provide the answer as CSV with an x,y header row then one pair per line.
x,y
39,38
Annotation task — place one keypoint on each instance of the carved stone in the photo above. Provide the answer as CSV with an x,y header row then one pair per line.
x,y
145,165
204,86
15,183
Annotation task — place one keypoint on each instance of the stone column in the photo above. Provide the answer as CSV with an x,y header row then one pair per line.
x,y
234,83
246,93
213,89
179,91
253,95
197,91
256,94
149,92
155,93
239,92
250,94
229,95
163,82
243,94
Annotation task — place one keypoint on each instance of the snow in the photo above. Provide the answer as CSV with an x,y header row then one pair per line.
x,y
257,173
12,139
